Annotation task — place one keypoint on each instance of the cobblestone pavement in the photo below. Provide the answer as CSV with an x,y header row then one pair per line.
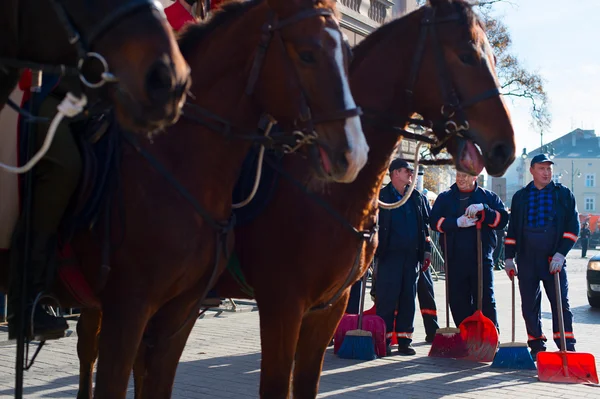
x,y
222,360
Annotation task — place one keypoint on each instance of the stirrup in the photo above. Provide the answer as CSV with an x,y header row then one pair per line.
x,y
43,337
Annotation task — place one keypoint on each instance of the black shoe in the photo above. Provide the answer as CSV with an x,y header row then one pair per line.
x,y
535,351
388,350
429,338
45,326
406,350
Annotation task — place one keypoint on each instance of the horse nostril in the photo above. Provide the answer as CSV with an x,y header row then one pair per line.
x,y
160,83
501,153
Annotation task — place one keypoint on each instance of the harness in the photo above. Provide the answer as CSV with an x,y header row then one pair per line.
x,y
83,44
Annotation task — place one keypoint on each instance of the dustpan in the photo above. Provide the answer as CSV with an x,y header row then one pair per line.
x,y
564,366
479,332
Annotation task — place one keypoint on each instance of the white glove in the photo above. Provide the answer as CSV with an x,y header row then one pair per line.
x,y
472,210
465,221
557,262
510,267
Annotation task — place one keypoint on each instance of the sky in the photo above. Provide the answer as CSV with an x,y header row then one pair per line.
x,y
561,41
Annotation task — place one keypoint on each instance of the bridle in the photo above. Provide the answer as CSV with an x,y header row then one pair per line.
x,y
84,42
284,142
306,134
453,120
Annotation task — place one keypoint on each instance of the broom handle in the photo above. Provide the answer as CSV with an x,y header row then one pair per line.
x,y
447,287
561,321
479,263
363,289
513,307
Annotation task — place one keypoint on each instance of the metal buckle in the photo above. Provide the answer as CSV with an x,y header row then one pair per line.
x,y
105,77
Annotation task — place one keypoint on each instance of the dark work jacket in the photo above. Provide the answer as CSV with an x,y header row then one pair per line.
x,y
385,221
567,221
446,210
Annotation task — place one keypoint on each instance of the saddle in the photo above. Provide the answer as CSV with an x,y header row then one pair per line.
x,y
98,141
268,184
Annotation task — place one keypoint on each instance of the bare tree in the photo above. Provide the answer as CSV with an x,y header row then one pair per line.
x,y
515,80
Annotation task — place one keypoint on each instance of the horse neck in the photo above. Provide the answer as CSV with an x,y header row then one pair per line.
x,y
359,199
200,157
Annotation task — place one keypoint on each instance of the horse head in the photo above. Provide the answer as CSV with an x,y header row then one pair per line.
x,y
303,82
125,48
443,68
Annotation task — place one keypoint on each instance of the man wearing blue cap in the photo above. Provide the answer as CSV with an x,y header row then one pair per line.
x,y
404,244
543,228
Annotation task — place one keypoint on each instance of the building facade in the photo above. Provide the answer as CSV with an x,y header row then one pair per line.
x,y
576,157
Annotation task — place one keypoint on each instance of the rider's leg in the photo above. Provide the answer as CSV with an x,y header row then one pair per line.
x,y
55,179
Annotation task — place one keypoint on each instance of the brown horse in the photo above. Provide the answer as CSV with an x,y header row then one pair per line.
x,y
296,272
126,44
289,56
293,285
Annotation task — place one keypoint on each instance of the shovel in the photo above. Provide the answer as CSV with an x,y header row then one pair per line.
x,y
479,332
563,366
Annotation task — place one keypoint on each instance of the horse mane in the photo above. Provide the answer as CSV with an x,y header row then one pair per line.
x,y
463,7
228,11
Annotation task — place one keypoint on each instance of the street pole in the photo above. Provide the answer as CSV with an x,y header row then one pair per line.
x,y
573,176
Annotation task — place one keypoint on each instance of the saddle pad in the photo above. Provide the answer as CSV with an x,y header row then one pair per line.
x,y
74,281
371,323
9,182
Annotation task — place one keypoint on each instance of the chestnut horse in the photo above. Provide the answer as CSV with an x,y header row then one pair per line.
x,y
301,275
302,293
125,47
286,57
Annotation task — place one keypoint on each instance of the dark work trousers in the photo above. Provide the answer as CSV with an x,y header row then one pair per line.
x,y
427,302
584,246
354,300
397,274
463,283
533,267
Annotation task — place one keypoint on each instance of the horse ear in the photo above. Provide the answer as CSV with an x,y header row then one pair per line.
x,y
435,3
284,7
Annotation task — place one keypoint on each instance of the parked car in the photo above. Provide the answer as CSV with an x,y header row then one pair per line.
x,y
593,281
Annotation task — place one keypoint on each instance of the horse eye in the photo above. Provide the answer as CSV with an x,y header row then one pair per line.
x,y
468,59
307,57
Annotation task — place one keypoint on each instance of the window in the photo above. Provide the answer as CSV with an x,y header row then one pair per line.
x,y
590,203
590,180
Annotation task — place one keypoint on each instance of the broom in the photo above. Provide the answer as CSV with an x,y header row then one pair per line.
x,y
358,344
513,355
448,342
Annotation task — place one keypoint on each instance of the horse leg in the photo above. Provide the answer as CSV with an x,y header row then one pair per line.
x,y
163,345
279,329
139,369
123,325
316,332
88,328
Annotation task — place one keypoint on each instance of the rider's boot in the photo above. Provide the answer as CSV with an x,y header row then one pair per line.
x,y
40,277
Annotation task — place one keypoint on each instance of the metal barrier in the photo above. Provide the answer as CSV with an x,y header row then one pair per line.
x,y
437,258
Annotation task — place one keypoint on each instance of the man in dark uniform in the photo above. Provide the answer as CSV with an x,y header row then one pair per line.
x,y
455,214
426,298
585,238
403,245
543,228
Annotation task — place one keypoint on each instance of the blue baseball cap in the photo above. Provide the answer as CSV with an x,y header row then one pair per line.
x,y
540,158
400,163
